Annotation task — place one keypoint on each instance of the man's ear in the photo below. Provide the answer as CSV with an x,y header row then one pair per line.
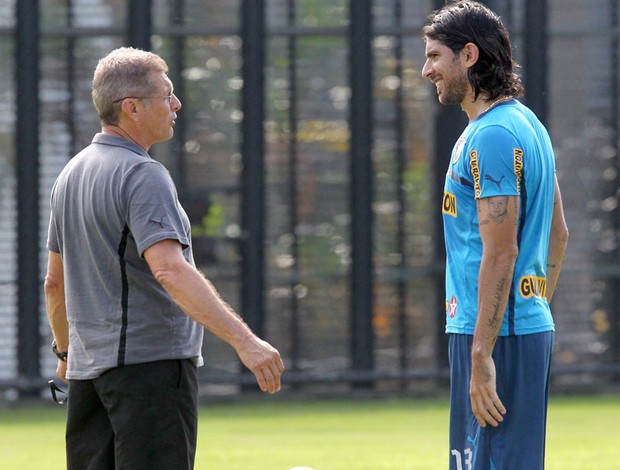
x,y
129,107
469,54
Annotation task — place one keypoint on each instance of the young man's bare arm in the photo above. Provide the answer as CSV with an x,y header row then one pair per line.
x,y
558,239
498,222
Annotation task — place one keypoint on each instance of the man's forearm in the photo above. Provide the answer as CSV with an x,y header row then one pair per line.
x,y
57,317
558,239
198,298
555,258
55,301
494,285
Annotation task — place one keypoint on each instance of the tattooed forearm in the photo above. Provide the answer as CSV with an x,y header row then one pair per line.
x,y
494,321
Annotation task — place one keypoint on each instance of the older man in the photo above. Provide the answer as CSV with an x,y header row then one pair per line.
x,y
125,302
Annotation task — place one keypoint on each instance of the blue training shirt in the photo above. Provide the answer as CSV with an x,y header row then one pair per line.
x,y
503,152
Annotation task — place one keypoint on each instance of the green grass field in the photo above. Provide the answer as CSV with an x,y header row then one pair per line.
x,y
275,433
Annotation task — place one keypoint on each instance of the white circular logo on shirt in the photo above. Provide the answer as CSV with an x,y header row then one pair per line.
x,y
458,149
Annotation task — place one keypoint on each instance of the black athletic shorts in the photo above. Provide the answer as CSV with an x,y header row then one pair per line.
x,y
138,416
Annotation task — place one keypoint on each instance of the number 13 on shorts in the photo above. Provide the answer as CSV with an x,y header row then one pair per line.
x,y
459,459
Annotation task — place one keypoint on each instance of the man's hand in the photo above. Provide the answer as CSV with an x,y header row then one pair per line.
x,y
198,298
264,362
485,403
61,370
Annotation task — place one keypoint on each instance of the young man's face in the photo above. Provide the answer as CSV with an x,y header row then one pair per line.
x,y
445,69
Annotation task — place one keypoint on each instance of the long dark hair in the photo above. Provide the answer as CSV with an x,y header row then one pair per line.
x,y
461,22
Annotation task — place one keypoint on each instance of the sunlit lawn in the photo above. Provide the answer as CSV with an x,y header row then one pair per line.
x,y
277,433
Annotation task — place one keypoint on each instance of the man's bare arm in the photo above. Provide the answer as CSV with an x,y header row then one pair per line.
x,y
558,239
498,221
55,306
198,298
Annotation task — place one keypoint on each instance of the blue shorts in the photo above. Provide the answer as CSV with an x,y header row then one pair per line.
x,y
523,371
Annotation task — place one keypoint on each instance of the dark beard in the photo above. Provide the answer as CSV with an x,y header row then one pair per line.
x,y
455,93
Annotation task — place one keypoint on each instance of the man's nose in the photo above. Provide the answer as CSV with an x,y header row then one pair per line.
x,y
176,102
426,70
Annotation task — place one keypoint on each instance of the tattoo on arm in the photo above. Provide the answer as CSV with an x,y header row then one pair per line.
x,y
497,208
494,320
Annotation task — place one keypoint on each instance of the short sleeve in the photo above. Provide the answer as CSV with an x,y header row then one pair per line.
x,y
153,209
52,236
53,242
496,163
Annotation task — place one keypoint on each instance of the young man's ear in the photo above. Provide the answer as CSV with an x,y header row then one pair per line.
x,y
469,54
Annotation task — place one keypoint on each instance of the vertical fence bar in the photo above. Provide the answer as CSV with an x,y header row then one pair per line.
x,y
139,24
614,313
71,79
253,175
177,64
27,166
536,57
401,168
508,14
449,124
292,187
361,190
494,5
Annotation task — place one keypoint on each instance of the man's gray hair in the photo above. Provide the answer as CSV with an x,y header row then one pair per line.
x,y
124,72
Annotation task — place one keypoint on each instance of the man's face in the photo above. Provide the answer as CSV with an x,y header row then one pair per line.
x,y
445,69
159,111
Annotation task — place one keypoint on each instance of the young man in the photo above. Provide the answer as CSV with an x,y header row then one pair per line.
x,y
125,302
505,238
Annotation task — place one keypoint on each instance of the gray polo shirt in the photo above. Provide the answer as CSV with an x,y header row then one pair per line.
x,y
110,203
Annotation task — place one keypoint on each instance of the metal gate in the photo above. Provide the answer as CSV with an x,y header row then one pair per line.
x,y
310,156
